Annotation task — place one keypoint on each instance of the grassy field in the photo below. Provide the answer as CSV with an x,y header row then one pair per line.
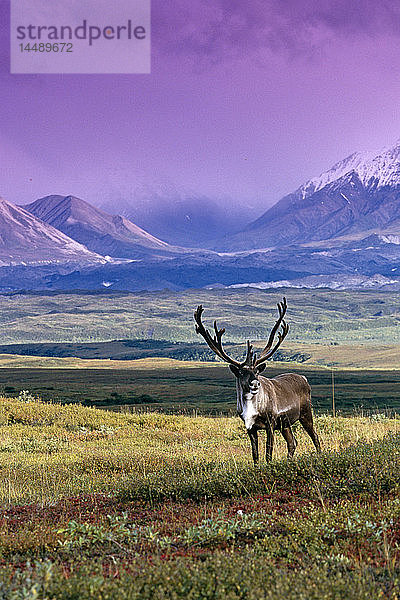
x,y
355,333
126,353
173,386
147,505
152,506
315,316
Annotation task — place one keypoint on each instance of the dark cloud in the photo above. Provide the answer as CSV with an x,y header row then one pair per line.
x,y
226,28
209,30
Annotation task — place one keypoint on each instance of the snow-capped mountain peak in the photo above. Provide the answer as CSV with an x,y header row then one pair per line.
x,y
383,169
24,237
341,168
359,195
379,170
99,231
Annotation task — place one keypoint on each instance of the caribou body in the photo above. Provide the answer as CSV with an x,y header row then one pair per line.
x,y
262,403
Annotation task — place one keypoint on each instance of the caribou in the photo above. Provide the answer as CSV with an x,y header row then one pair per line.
x,y
271,404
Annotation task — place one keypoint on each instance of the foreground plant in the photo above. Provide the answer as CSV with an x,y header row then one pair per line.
x,y
103,506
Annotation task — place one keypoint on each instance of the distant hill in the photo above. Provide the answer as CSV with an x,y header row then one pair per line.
x,y
106,234
26,239
357,197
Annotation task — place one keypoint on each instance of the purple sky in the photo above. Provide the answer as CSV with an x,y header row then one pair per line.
x,y
246,100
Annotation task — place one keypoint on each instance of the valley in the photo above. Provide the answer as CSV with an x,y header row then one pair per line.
x,y
141,350
322,316
176,387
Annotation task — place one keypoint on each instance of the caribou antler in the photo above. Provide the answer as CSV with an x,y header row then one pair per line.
x,y
267,352
215,342
251,360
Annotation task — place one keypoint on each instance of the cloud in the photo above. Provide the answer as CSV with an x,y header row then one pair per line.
x,y
363,17
218,29
215,30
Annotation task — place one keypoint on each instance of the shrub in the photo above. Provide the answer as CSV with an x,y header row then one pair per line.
x,y
248,576
364,467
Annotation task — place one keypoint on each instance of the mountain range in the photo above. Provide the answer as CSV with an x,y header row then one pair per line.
x,y
26,239
109,235
340,229
357,197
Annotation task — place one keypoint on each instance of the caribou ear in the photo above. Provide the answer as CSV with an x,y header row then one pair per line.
x,y
261,368
234,370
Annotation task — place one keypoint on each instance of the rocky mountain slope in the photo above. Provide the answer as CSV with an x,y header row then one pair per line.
x,y
352,265
26,239
106,234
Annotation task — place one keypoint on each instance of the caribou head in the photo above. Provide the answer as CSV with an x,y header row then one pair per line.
x,y
262,403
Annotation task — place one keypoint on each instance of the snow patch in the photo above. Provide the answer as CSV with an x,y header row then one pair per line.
x,y
334,282
345,197
390,239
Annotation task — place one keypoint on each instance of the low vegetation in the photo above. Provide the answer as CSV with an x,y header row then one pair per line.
x,y
316,316
206,388
105,505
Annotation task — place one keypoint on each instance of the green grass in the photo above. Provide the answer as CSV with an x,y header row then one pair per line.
x,y
209,389
320,316
48,451
152,506
67,445
103,505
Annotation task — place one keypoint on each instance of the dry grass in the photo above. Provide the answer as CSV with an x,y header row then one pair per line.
x,y
344,356
143,507
44,362
48,451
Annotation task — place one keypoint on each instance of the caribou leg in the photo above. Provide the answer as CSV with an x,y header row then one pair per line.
x,y
253,435
270,441
270,445
306,420
290,440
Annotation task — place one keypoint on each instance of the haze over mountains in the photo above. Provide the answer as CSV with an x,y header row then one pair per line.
x,y
193,222
341,229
